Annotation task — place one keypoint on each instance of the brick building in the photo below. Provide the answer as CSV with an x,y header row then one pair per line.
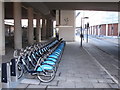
x,y
104,30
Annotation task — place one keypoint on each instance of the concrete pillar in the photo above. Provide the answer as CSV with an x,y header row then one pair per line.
x,y
38,30
66,19
106,29
48,28
51,28
2,29
17,26
92,30
57,17
30,26
99,31
119,21
43,29
2,35
95,31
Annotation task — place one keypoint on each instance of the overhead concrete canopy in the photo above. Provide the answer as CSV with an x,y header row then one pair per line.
x,y
38,8
101,6
47,9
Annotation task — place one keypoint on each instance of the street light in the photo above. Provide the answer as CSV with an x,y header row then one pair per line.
x,y
87,26
81,35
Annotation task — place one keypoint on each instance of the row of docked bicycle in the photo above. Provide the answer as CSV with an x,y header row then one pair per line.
x,y
40,60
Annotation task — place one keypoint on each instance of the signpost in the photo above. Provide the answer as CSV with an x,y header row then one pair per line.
x,y
81,35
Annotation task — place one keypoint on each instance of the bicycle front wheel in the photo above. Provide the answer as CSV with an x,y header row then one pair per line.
x,y
47,77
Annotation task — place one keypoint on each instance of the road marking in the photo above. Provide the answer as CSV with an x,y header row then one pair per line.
x,y
115,80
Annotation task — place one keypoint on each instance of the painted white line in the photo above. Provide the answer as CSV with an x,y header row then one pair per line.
x,y
115,80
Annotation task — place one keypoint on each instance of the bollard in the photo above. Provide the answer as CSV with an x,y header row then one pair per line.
x,y
13,70
5,79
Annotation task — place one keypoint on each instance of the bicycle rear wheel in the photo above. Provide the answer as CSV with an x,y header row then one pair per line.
x,y
20,70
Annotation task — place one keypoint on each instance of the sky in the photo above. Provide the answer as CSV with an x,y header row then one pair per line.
x,y
23,21
96,17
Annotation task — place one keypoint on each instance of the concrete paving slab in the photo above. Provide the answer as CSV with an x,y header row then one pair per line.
x,y
97,76
67,74
96,89
106,76
62,88
40,87
58,73
74,79
81,75
109,81
61,78
29,76
93,80
83,85
101,81
52,83
54,88
85,79
67,84
113,85
101,85
30,81
22,86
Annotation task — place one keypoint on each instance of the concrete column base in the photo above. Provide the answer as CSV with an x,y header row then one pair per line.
x,y
6,85
14,78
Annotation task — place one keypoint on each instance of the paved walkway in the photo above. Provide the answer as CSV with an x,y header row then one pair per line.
x,y
77,69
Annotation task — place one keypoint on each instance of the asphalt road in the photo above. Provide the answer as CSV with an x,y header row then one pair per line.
x,y
105,46
106,53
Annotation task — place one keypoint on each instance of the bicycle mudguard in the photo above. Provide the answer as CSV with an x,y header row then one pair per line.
x,y
56,51
49,62
53,56
44,67
52,59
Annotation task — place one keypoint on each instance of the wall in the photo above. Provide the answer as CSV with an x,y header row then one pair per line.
x,y
113,32
96,29
116,29
103,29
